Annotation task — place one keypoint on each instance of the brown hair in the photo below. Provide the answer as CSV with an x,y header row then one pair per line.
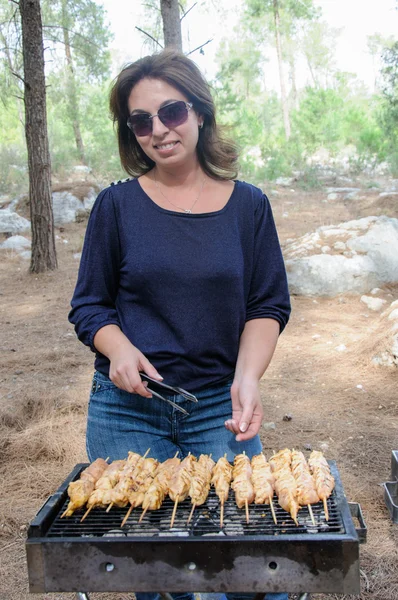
x,y
217,155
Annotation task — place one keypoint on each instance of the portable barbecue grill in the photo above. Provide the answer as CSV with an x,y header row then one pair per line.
x,y
65,555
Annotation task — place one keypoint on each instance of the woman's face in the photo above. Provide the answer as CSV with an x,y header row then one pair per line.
x,y
166,146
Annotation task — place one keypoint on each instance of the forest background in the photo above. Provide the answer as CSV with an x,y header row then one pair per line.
x,y
323,126
327,114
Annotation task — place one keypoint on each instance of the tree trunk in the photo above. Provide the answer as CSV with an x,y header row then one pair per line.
x,y
71,90
170,11
292,65
285,107
44,256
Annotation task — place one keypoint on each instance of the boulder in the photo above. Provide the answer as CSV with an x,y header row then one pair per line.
x,y
11,222
18,243
355,256
65,206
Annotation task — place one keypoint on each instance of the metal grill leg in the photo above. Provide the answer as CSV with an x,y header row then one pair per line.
x,y
82,596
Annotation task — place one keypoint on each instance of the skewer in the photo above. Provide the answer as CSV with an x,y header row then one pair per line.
x,y
311,514
173,516
127,515
273,510
247,510
325,506
134,473
191,513
64,513
142,515
222,515
86,513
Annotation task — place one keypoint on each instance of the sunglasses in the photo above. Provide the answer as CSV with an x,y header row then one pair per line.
x,y
171,116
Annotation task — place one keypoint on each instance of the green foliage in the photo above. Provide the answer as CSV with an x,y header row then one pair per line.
x,y
81,24
389,108
333,113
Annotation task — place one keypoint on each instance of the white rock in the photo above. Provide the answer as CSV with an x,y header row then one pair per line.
x,y
375,291
341,348
11,222
325,275
89,200
393,314
284,181
370,261
339,246
332,190
333,196
330,231
16,242
82,169
65,207
384,194
375,304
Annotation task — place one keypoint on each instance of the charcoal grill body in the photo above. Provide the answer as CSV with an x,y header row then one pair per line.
x,y
262,558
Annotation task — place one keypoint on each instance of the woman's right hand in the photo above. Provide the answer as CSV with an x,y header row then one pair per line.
x,y
126,361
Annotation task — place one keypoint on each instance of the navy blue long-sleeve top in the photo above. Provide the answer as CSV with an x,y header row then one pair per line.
x,y
180,286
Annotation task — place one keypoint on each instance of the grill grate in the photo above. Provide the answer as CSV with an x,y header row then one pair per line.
x,y
205,521
99,555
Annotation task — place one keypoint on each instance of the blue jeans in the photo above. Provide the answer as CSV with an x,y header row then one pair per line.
x,y
119,421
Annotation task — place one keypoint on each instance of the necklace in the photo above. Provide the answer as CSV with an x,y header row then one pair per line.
x,y
185,210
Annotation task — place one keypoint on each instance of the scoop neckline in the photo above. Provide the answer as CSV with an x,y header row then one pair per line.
x,y
189,215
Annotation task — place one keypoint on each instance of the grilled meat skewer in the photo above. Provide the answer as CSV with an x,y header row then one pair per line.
x,y
221,479
285,483
324,480
180,483
79,491
263,482
241,482
159,487
200,481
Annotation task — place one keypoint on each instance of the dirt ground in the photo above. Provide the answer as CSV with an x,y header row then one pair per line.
x,y
337,401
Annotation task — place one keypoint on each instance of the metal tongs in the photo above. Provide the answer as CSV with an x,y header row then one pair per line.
x,y
169,388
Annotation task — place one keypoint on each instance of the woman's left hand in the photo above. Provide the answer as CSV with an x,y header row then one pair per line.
x,y
247,409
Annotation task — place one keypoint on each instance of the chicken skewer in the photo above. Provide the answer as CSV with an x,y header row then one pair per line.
x,y
324,480
200,482
180,483
306,491
285,483
221,479
119,494
101,496
159,487
141,484
79,491
263,482
241,482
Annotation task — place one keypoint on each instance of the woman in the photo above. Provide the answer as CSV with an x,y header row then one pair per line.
x,y
181,277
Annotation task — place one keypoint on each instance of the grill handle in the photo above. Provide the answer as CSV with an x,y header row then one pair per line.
x,y
356,513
